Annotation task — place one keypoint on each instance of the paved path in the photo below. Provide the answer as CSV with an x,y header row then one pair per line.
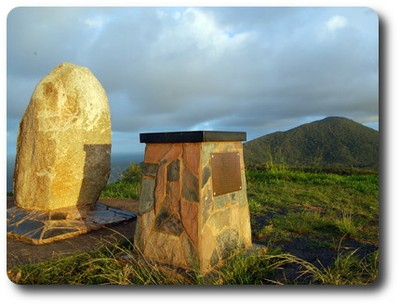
x,y
22,253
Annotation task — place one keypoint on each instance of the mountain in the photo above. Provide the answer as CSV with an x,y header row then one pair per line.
x,y
331,142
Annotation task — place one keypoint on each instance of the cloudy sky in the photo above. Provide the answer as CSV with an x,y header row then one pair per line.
x,y
257,70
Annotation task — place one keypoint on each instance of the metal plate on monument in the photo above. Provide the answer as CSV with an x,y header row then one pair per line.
x,y
226,175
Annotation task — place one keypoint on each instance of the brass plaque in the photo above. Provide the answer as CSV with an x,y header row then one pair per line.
x,y
226,176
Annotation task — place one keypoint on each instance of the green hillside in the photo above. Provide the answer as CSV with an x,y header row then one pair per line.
x,y
331,142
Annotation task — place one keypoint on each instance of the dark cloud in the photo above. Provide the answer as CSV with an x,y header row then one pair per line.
x,y
252,69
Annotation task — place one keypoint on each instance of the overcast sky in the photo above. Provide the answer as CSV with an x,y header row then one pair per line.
x,y
257,70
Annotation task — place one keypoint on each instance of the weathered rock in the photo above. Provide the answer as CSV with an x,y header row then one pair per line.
x,y
64,142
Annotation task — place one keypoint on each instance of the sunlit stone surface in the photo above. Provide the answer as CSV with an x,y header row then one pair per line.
x,y
64,142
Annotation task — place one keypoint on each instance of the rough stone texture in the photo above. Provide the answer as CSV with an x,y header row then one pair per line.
x,y
188,226
191,186
149,169
189,214
146,201
223,224
173,171
64,142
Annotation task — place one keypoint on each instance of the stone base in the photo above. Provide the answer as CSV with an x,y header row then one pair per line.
x,y
41,227
185,219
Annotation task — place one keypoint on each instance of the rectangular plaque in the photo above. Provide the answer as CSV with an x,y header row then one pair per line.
x,y
226,176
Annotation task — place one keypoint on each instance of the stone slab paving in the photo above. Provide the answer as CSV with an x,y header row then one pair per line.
x,y
41,227
19,252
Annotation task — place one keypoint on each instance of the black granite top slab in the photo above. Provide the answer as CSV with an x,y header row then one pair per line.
x,y
192,136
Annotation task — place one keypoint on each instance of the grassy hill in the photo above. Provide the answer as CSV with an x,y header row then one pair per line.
x,y
331,142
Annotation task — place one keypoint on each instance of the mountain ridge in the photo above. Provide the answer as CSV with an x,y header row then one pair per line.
x,y
330,142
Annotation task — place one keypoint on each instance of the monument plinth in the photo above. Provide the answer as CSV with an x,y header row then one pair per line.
x,y
193,208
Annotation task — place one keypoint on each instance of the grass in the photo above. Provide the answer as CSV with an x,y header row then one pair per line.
x,y
127,187
122,264
315,204
316,228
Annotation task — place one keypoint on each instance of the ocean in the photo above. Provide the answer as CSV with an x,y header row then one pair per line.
x,y
119,162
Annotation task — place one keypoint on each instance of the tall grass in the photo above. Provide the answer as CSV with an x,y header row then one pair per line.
x,y
122,264
114,263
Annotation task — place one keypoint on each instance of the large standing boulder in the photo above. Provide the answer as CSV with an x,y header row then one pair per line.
x,y
64,142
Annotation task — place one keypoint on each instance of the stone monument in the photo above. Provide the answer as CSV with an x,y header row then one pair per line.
x,y
193,208
63,159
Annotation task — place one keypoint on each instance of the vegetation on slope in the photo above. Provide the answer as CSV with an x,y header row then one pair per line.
x,y
128,185
331,142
